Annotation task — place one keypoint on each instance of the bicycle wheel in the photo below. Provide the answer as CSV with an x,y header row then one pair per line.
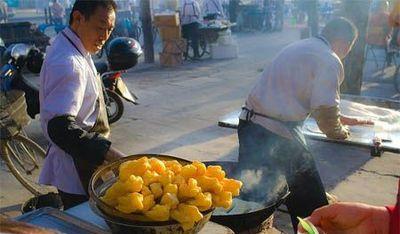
x,y
24,158
189,54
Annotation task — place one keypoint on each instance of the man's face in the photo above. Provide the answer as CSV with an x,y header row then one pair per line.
x,y
95,30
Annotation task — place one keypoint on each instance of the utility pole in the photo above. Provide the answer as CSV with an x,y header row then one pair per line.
x,y
354,62
310,7
312,13
145,15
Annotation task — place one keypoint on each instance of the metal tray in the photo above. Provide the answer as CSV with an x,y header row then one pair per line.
x,y
55,219
361,137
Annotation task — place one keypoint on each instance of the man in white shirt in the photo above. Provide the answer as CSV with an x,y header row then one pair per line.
x,y
190,16
213,9
72,113
303,79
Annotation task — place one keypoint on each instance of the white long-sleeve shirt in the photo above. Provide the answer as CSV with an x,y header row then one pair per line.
x,y
68,86
190,12
305,76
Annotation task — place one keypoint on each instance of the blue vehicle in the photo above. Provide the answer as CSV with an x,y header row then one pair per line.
x,y
14,59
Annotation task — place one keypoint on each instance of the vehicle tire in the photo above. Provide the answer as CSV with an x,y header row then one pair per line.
x,y
396,79
115,107
24,158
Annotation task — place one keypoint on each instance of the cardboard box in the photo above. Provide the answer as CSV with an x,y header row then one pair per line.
x,y
174,46
170,33
162,20
171,60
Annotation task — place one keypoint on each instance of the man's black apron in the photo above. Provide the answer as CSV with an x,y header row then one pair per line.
x,y
262,149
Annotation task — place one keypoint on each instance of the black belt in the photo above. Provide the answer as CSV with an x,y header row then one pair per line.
x,y
251,113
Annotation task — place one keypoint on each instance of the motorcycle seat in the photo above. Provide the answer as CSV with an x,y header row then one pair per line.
x,y
101,67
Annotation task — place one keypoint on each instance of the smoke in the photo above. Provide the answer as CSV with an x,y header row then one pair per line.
x,y
252,178
261,185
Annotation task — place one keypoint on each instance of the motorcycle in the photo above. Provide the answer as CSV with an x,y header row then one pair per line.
x,y
120,58
14,59
115,90
122,53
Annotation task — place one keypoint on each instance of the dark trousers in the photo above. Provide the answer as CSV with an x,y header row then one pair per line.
x,y
70,200
85,170
191,32
260,148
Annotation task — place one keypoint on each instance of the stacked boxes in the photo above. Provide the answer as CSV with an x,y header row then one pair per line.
x,y
173,44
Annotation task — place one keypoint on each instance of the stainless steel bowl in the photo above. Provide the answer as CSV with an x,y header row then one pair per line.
x,y
119,222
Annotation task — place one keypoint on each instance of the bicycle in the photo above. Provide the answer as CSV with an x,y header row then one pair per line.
x,y
22,156
189,52
205,38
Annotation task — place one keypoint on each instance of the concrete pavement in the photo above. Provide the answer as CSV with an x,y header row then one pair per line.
x,y
180,108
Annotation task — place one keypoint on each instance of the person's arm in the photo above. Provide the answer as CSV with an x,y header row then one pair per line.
x,y
346,217
204,8
197,10
221,8
348,120
328,121
68,136
325,98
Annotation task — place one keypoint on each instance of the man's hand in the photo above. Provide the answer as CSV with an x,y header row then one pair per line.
x,y
350,218
113,155
346,120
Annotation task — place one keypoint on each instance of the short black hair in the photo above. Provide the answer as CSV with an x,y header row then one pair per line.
x,y
88,7
340,28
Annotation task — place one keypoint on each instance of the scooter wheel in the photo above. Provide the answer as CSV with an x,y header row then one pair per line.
x,y
115,107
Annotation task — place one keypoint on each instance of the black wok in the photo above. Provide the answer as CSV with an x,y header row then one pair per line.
x,y
252,207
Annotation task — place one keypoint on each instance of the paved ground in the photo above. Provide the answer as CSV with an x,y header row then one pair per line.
x,y
181,106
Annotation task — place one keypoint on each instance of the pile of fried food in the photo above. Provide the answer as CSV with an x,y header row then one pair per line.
x,y
166,190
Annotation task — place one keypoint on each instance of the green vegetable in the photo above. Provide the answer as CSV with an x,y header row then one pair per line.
x,y
308,226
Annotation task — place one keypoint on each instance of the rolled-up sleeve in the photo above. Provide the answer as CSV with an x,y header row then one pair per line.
x,y
325,98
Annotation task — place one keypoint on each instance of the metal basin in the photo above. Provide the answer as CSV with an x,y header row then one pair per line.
x,y
120,222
